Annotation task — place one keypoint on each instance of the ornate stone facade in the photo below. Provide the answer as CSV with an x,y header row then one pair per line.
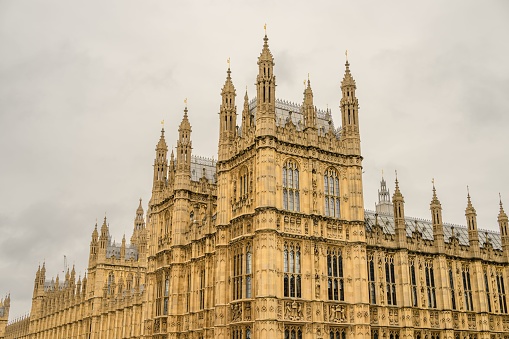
x,y
272,240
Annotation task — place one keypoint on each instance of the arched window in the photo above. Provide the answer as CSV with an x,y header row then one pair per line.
x,y
242,272
331,193
291,197
111,283
244,182
292,268
335,283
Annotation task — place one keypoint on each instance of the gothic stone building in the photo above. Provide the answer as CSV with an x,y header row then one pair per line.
x,y
272,241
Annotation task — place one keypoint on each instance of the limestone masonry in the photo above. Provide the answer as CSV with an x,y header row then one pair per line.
x,y
272,241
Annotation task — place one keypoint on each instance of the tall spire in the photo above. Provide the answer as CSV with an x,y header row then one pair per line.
x,y
247,122
503,224
160,164
436,217
227,116
384,205
184,143
399,215
349,106
266,92
471,215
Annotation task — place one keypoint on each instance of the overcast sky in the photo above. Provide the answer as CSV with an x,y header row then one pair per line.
x,y
84,86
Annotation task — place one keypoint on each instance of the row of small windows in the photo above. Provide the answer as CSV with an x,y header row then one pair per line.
x,y
291,195
429,290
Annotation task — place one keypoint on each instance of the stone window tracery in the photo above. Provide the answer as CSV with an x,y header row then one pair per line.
x,y
371,278
244,181
335,283
331,193
292,271
467,287
293,332
451,286
291,196
430,284
487,288
390,279
166,293
337,333
413,282
242,272
501,292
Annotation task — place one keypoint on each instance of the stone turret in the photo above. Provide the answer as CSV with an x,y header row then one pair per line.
x,y
436,217
473,234
399,216
349,105
266,93
227,117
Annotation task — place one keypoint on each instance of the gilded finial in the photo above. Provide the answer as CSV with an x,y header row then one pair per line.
x,y
185,101
228,62
346,55
468,191
265,28
433,182
162,123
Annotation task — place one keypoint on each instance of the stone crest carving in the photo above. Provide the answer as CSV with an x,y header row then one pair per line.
x,y
293,310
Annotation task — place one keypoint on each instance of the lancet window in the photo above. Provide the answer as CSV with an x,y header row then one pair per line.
x,y
413,282
430,284
337,333
202,289
451,286
501,292
467,288
242,272
239,332
331,193
111,283
390,280
293,332
291,197
292,271
166,294
244,183
335,281
487,288
371,278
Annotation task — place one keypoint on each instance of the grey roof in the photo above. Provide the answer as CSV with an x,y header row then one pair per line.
x,y
201,165
286,110
131,252
426,229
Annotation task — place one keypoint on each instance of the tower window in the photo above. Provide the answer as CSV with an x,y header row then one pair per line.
x,y
291,197
335,283
467,287
292,276
413,282
371,278
331,193
430,284
451,286
501,292
487,287
390,280
242,272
